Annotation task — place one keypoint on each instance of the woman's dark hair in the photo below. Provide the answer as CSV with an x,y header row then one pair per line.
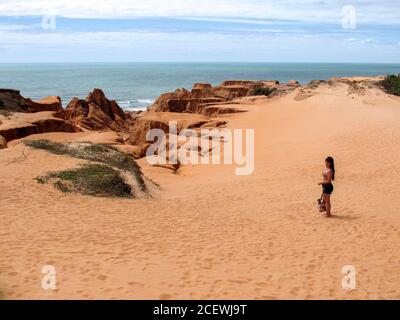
x,y
331,165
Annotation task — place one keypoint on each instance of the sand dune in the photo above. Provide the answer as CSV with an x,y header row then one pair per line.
x,y
211,234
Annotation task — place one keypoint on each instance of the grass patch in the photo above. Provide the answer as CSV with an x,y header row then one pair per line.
x,y
90,179
105,154
263,91
391,84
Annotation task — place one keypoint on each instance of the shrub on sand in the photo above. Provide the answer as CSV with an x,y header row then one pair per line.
x,y
105,154
391,84
263,91
90,179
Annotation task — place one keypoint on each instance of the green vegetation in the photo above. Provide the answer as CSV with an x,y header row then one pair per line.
x,y
391,84
103,178
90,179
263,91
315,83
105,154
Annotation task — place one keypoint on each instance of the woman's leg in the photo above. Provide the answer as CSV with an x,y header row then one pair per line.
x,y
327,200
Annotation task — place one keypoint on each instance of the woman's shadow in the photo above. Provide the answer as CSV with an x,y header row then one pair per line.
x,y
342,217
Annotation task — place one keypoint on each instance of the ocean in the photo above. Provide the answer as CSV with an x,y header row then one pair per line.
x,y
136,85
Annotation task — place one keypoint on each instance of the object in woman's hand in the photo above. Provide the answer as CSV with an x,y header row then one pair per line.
x,y
321,205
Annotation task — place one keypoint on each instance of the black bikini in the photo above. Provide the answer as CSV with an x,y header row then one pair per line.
x,y
327,188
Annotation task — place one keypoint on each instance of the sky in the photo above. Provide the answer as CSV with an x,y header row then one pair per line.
x,y
207,31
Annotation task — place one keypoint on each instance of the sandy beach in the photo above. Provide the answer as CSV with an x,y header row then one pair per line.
x,y
207,233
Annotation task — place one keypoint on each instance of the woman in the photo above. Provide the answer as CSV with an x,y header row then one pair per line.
x,y
328,175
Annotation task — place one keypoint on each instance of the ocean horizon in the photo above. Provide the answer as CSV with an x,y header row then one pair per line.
x,y
135,85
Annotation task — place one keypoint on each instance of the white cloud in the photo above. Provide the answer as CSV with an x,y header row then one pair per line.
x,y
14,27
185,46
271,40
368,11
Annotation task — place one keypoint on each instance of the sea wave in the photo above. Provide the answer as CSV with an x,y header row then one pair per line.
x,y
136,104
149,101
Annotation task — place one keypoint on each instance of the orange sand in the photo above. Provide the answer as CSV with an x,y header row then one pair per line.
x,y
211,234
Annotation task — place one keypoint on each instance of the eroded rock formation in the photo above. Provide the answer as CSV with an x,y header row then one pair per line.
x,y
3,143
13,101
152,120
21,117
21,125
96,112
204,95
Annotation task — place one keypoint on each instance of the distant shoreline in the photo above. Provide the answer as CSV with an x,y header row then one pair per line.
x,y
199,62
135,81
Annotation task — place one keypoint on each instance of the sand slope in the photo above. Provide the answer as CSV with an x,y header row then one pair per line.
x,y
211,234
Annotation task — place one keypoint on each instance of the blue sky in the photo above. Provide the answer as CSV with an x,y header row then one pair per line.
x,y
207,30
